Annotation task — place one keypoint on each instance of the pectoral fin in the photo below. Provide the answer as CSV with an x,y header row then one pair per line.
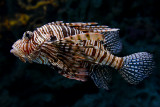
x,y
69,61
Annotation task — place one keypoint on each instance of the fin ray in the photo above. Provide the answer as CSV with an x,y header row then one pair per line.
x,y
101,76
68,61
136,67
112,41
86,36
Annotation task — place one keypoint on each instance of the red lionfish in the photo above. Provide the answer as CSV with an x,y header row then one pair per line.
x,y
82,50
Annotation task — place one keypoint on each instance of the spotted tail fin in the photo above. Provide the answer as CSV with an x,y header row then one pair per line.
x,y
136,67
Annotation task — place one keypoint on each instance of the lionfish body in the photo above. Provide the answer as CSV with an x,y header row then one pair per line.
x,y
82,50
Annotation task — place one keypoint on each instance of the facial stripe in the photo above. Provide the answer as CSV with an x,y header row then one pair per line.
x,y
27,48
33,41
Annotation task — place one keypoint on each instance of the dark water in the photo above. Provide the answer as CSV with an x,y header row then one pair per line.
x,y
33,85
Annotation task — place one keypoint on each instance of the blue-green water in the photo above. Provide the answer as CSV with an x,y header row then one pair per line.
x,y
33,85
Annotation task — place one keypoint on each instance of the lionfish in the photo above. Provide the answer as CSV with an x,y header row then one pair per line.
x,y
81,51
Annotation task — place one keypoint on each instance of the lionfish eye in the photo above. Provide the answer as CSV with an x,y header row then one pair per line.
x,y
27,35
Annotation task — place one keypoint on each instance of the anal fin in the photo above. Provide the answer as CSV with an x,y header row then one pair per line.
x,y
101,75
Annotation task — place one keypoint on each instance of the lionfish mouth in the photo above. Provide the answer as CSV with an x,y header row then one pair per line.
x,y
17,53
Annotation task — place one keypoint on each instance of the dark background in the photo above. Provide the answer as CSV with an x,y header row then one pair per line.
x,y
34,85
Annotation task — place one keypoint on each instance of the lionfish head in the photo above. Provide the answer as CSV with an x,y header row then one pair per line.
x,y
22,47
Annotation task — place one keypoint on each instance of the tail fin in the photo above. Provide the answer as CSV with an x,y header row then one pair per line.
x,y
136,67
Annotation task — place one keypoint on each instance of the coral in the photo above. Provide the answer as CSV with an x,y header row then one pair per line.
x,y
20,19
38,4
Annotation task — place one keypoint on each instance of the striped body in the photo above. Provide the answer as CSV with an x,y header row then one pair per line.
x,y
52,32
35,50
99,53
102,56
82,50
